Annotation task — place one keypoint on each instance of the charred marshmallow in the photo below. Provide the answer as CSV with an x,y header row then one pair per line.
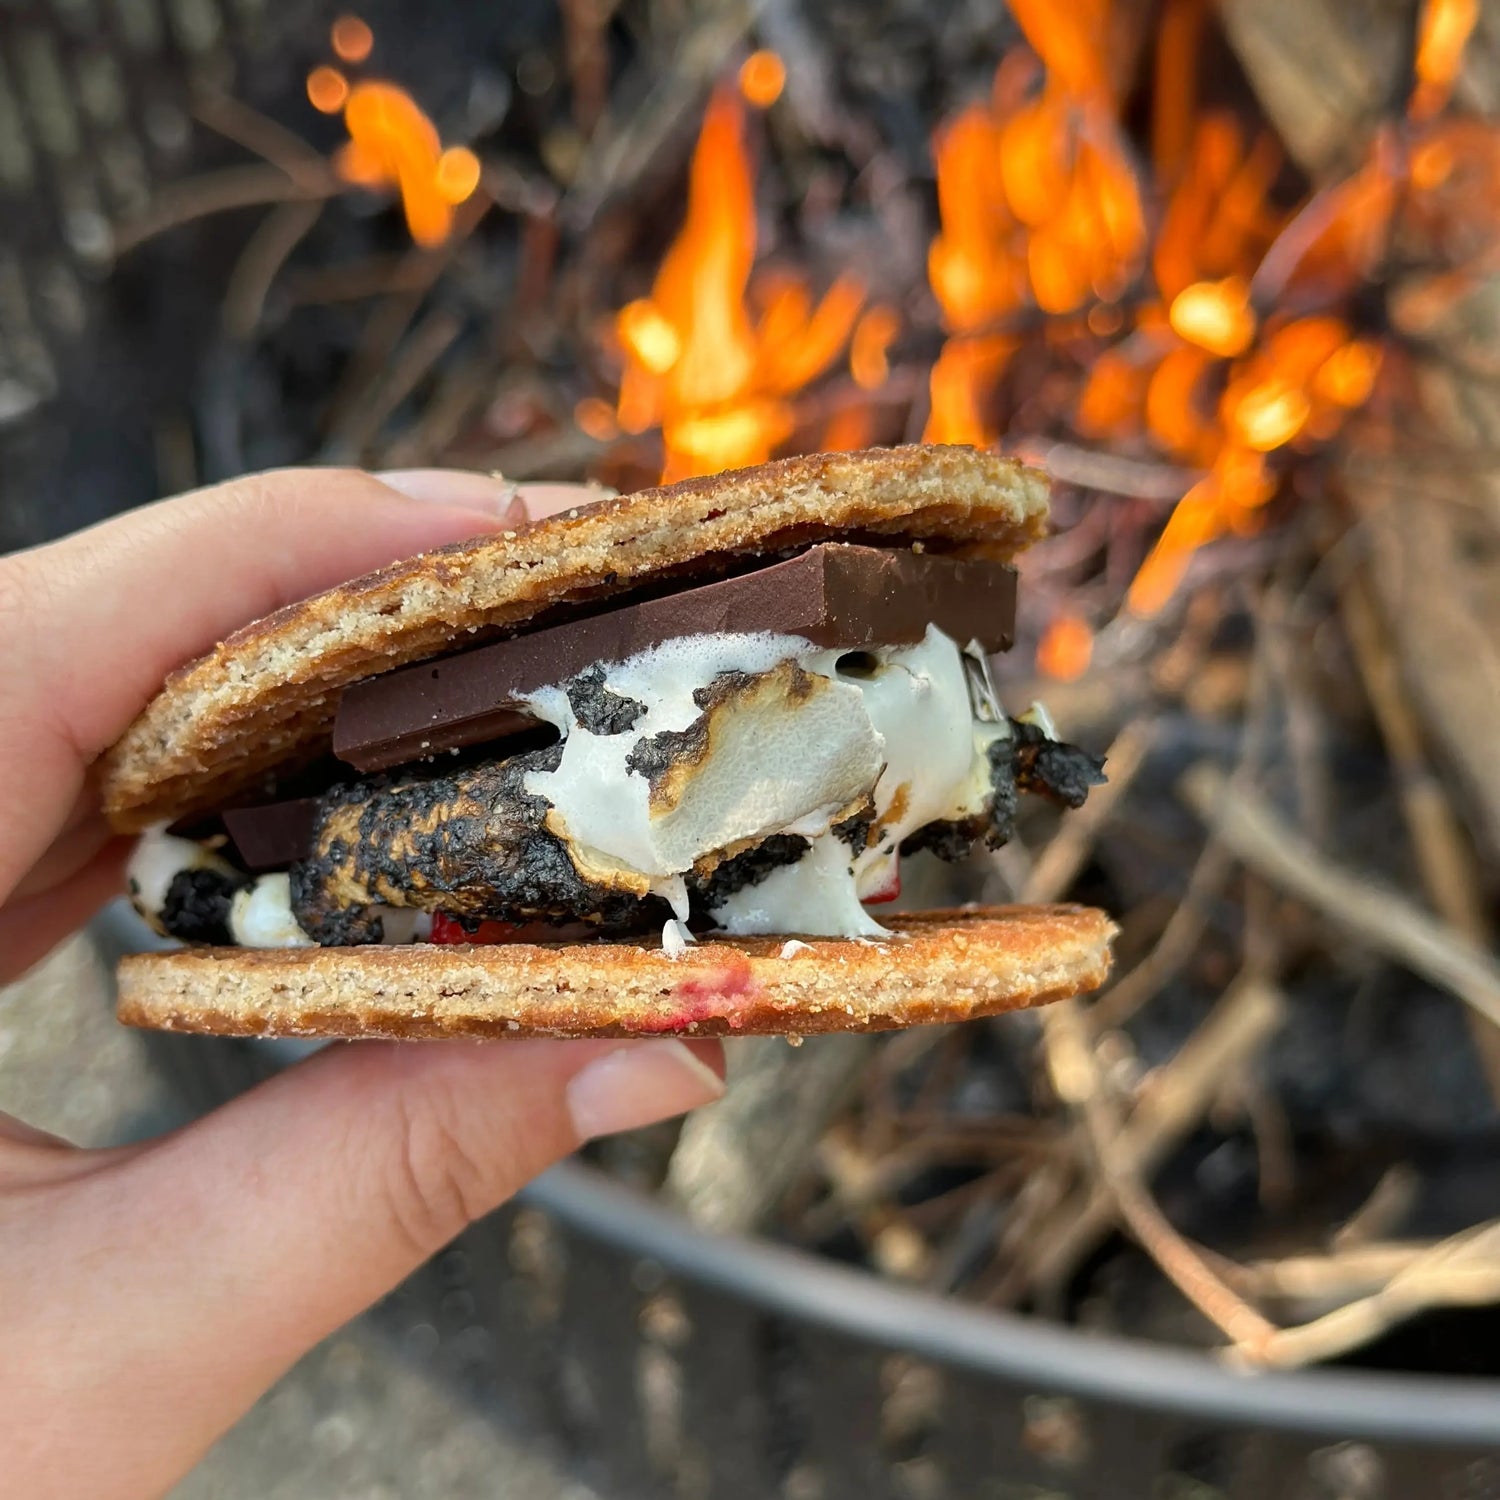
x,y
745,736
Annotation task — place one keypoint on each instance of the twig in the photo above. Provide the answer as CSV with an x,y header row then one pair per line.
x,y
428,343
1075,1073
1385,921
736,1158
386,327
1462,1271
584,25
662,94
1179,938
1303,733
1168,1108
293,174
1176,945
260,135
266,252
1324,1282
218,192
460,389
1444,859
1109,473
1389,1202
555,455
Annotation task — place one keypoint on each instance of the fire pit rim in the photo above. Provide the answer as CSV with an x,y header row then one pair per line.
x,y
1132,1372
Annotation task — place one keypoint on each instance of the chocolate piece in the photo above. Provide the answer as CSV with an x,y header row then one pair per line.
x,y
835,595
275,835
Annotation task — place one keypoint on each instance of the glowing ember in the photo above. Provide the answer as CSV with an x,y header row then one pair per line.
x,y
597,419
717,380
1267,414
392,144
1215,315
352,39
327,88
762,78
1065,649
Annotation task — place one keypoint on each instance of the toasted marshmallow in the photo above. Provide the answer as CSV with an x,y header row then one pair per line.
x,y
746,736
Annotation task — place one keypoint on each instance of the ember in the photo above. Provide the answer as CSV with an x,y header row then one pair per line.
x,y
392,144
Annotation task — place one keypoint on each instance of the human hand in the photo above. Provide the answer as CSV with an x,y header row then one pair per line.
x,y
149,1293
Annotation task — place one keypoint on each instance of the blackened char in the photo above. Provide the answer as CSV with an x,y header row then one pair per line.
x,y
597,708
1059,772
196,908
472,843
655,755
1025,762
948,839
855,829
748,868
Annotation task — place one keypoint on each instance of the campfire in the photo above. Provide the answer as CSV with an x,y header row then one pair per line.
x,y
1241,305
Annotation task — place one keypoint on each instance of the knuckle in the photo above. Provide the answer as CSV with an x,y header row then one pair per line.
x,y
436,1185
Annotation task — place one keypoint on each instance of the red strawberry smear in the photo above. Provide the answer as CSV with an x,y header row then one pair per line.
x,y
446,929
714,994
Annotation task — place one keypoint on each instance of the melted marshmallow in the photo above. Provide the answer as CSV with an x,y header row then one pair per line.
x,y
935,769
260,915
156,861
780,761
785,754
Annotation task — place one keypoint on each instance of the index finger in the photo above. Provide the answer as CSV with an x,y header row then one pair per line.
x,y
94,622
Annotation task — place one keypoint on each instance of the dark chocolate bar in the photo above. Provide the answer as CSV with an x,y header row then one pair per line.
x,y
274,835
836,595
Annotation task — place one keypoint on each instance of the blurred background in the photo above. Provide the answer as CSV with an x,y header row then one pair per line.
x,y
1229,271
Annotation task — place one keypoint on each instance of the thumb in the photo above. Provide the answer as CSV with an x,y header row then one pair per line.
x,y
238,1243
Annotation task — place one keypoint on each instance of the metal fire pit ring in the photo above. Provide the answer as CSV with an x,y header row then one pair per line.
x,y
790,1284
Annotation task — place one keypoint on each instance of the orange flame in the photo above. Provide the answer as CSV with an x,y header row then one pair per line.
x,y
1038,204
873,334
1041,208
392,143
762,78
1215,315
1443,34
1066,649
716,380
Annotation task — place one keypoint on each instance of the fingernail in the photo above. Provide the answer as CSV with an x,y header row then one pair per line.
x,y
462,488
639,1084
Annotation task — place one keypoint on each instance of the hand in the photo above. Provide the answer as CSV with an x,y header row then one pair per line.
x,y
149,1293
